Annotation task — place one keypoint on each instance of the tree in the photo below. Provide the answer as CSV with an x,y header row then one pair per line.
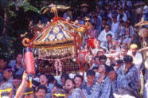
x,y
12,25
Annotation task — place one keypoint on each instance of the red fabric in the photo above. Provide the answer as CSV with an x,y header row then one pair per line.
x,y
55,19
91,42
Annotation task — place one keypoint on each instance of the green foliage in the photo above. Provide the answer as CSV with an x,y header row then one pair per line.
x,y
16,24
28,7
6,46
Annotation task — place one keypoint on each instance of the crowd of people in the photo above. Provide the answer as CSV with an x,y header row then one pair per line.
x,y
116,68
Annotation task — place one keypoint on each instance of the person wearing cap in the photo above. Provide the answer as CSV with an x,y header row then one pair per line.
x,y
138,62
128,77
137,56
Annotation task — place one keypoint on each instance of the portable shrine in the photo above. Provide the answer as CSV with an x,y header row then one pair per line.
x,y
55,45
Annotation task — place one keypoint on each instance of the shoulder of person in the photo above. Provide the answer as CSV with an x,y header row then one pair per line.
x,y
111,32
102,31
134,68
77,90
139,53
107,79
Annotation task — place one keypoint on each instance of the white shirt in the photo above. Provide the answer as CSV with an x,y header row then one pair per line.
x,y
137,59
115,28
121,30
102,36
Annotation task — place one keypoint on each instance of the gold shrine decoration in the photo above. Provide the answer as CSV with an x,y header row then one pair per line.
x,y
51,53
50,43
81,29
26,42
53,8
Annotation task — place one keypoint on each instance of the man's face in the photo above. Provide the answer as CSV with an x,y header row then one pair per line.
x,y
107,28
19,58
7,74
90,79
112,75
41,93
78,82
109,38
134,50
124,52
102,61
43,80
127,23
2,64
69,85
97,60
101,69
128,64
115,19
99,53
69,12
104,22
